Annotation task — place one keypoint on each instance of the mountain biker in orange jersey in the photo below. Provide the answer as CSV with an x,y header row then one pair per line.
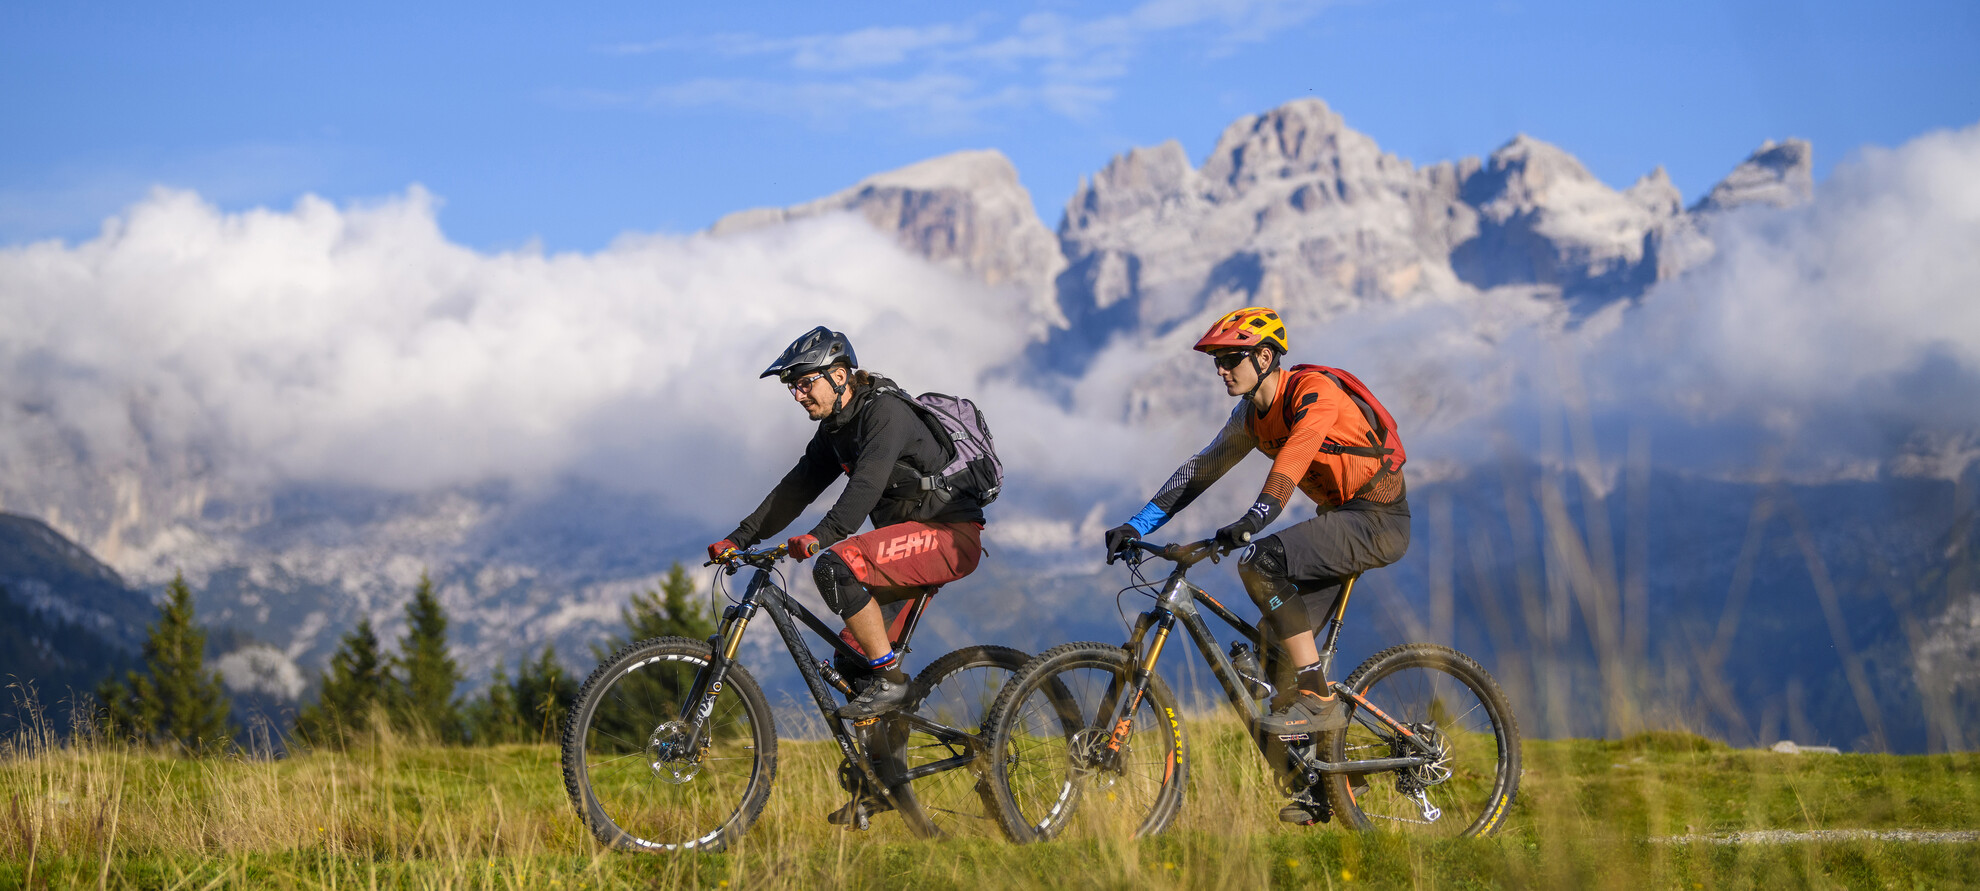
x,y
886,449
1297,418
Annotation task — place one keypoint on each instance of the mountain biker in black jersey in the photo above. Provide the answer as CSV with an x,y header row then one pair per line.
x,y
869,432
1298,418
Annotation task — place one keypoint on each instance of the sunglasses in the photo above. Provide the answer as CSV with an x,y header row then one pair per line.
x,y
1230,360
803,385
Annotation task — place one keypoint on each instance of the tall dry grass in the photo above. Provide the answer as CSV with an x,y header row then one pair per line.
x,y
398,814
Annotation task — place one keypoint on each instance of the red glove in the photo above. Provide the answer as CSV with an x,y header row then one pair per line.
x,y
802,546
716,550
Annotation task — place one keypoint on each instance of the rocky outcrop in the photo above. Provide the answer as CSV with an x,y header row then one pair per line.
x,y
1292,208
966,211
1545,220
1778,174
1295,209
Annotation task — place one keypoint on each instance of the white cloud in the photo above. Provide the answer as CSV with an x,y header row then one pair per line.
x,y
1065,65
358,344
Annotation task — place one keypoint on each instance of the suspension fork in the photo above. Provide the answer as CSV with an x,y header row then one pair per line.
x,y
699,703
1121,716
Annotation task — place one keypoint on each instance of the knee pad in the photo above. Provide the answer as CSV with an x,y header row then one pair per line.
x,y
837,584
1263,570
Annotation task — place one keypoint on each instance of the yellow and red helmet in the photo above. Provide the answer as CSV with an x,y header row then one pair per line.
x,y
1245,328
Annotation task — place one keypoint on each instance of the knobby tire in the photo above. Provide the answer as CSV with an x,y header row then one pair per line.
x,y
1044,731
1423,685
633,799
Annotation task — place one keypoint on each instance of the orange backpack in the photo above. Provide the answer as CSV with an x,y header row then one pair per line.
x,y
1383,440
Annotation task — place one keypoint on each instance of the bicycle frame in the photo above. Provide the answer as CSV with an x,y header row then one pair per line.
x,y
764,594
1178,601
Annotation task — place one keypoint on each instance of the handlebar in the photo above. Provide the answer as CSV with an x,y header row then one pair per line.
x,y
1182,554
761,559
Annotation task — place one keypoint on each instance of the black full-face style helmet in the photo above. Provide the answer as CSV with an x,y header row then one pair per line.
x,y
819,349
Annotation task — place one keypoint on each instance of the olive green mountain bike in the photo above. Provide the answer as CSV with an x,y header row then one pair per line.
x,y
1088,733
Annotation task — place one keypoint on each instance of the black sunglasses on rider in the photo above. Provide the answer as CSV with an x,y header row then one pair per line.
x,y
803,384
1229,359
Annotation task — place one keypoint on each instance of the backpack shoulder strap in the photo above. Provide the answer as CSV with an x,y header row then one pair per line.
x,y
1293,377
1379,432
936,429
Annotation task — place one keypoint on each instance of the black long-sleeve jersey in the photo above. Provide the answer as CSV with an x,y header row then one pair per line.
x,y
885,447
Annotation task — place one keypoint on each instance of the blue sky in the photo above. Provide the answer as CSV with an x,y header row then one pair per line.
x,y
571,126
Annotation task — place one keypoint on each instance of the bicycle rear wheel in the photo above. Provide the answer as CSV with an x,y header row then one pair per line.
x,y
634,773
1447,699
950,797
1051,761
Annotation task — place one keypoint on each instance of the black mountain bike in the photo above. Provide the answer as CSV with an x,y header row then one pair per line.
x,y
1089,731
671,745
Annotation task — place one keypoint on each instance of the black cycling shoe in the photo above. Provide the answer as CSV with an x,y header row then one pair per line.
x,y
880,697
1309,713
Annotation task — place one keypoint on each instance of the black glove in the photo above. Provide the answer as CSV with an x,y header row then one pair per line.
x,y
1118,538
1240,533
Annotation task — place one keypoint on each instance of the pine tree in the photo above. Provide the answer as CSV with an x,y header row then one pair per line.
x,y
662,613
493,718
175,701
355,687
428,676
544,695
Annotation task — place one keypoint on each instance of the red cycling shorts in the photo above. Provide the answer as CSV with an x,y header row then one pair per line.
x,y
912,555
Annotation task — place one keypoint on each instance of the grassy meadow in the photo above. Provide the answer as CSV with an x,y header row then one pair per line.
x,y
402,815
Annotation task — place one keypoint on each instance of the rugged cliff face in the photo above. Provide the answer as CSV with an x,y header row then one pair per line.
x,y
1778,174
1296,210
965,211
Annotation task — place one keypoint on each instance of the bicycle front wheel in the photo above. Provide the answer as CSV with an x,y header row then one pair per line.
x,y
1449,701
641,777
1054,759
946,795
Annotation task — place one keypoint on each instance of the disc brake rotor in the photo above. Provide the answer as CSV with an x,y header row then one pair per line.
x,y
1091,759
670,754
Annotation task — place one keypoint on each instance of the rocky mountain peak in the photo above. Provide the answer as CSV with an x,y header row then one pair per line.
x,y
1525,174
966,210
1778,174
1545,220
1295,140
1143,179
1656,193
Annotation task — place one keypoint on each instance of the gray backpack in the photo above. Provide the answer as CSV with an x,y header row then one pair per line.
x,y
973,469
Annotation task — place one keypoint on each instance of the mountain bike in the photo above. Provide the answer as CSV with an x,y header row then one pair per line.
x,y
671,745
1089,731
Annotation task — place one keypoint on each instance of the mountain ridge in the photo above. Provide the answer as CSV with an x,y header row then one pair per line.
x,y
1291,207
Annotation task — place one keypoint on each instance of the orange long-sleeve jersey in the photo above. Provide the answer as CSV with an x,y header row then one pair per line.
x,y
1309,410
